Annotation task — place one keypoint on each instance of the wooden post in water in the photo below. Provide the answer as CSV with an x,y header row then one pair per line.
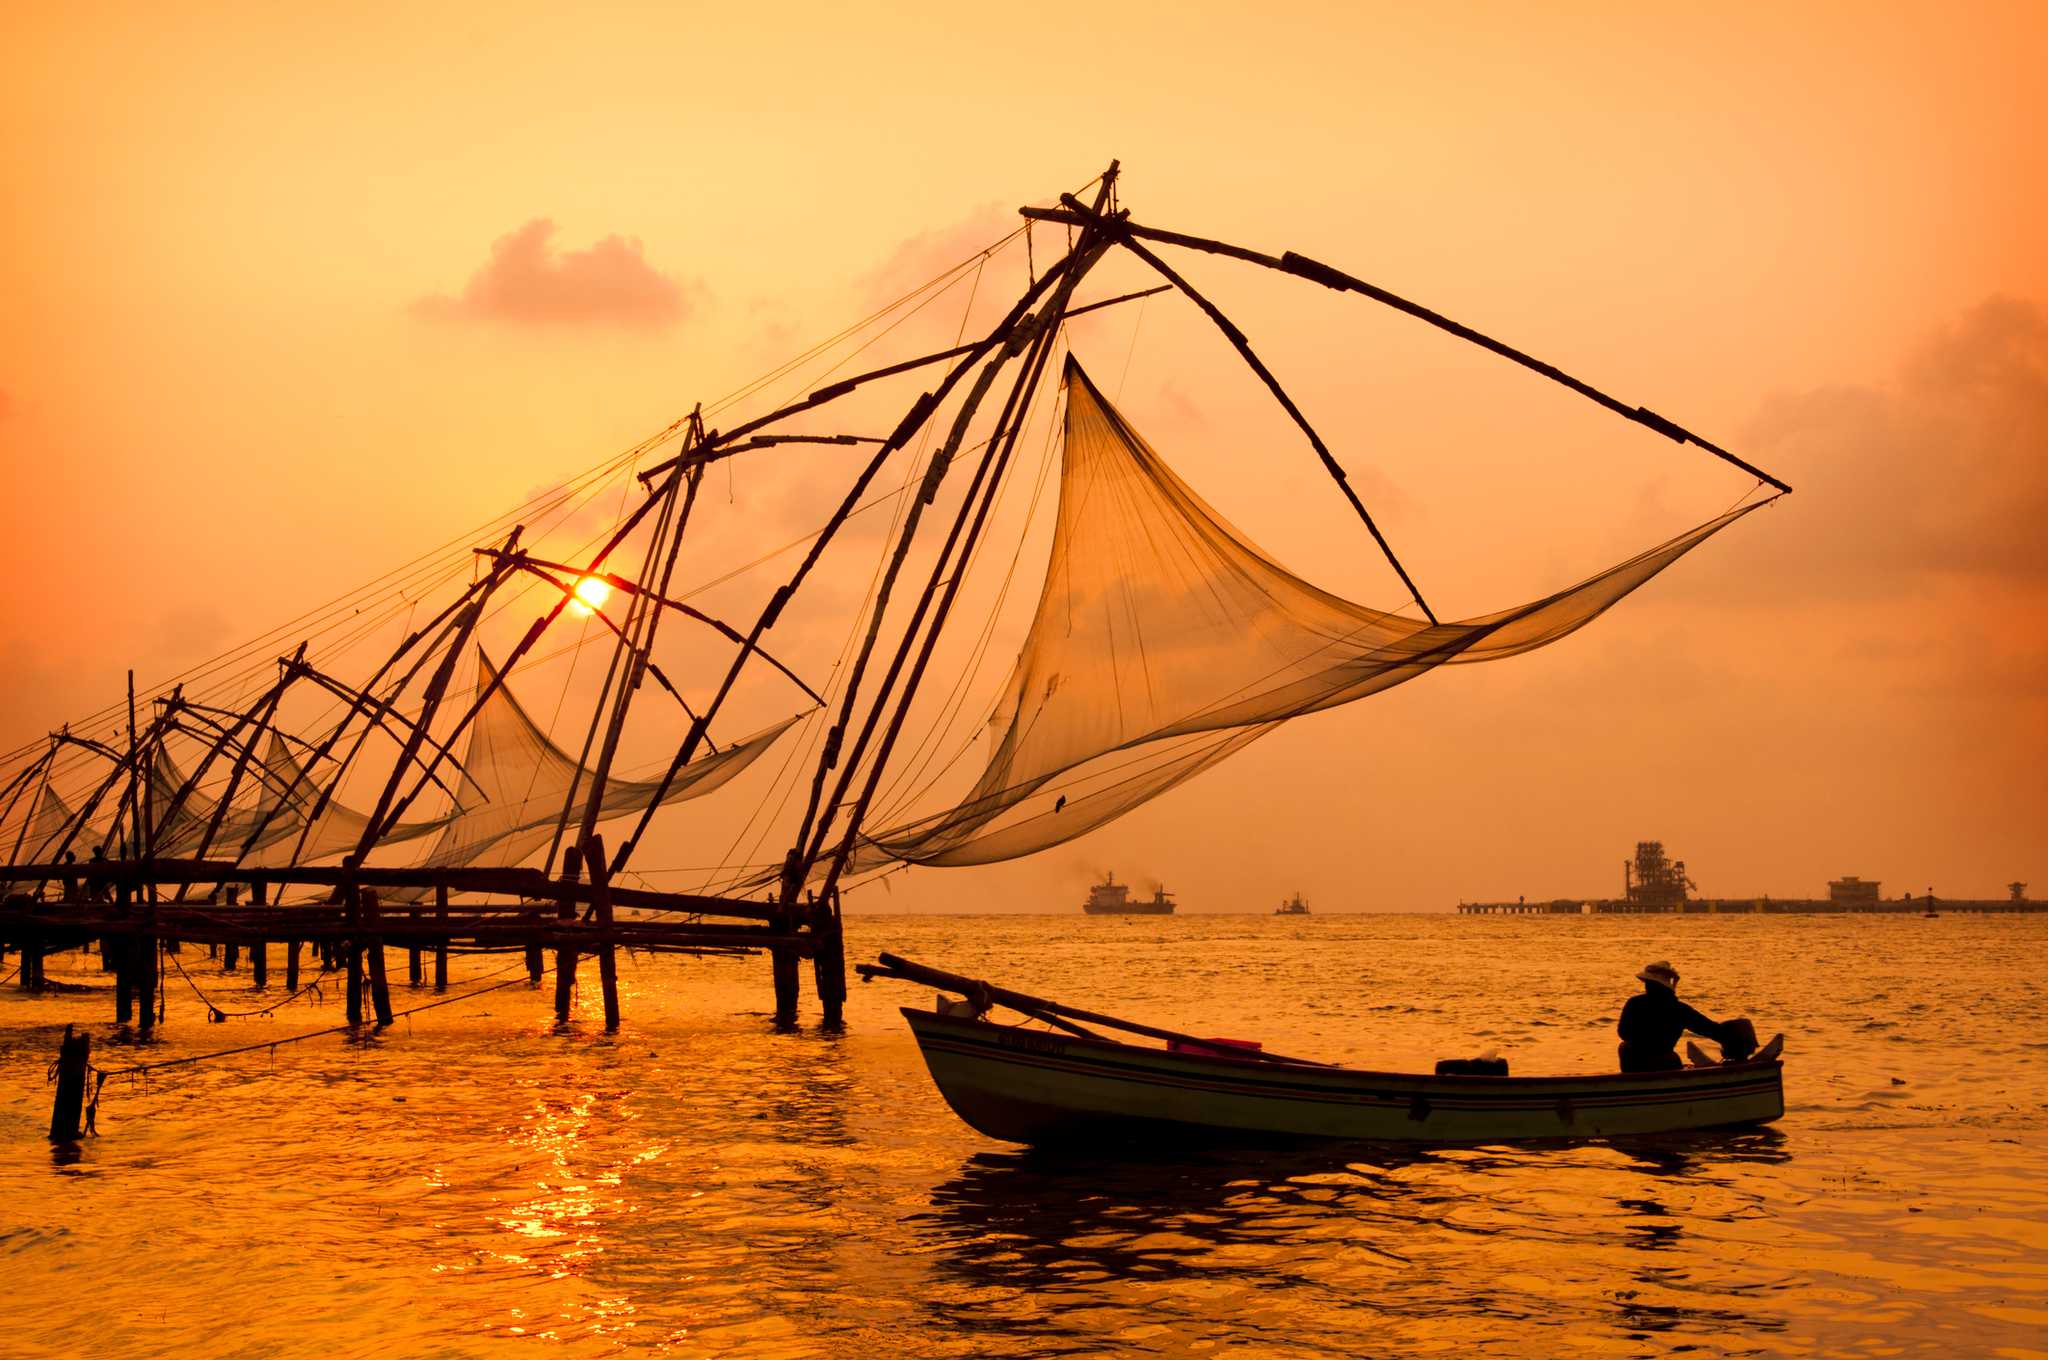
x,y
259,964
782,960
31,954
828,961
380,989
145,973
412,965
565,954
124,964
231,954
601,907
441,945
351,948
74,1061
291,965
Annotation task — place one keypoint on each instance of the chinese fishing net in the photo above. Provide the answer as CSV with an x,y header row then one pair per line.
x,y
1165,640
515,784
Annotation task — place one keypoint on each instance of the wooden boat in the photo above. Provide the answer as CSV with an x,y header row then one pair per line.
x,y
1033,1086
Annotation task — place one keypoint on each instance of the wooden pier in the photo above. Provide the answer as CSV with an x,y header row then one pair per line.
x,y
1754,906
134,912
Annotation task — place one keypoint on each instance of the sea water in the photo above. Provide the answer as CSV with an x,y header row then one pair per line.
x,y
473,1182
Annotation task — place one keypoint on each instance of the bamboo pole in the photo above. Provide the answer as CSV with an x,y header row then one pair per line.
x,y
941,590
146,965
377,825
74,1062
1257,365
817,818
353,956
441,945
565,953
828,965
601,908
373,942
985,993
631,653
913,420
1036,336
1301,266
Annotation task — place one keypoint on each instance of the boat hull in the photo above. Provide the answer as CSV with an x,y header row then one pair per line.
x,y
1030,1086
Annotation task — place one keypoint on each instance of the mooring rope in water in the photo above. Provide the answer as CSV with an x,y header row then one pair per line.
x,y
101,1074
217,1014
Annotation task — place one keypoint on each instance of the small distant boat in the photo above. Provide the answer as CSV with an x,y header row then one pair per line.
x,y
1111,898
1034,1086
1293,906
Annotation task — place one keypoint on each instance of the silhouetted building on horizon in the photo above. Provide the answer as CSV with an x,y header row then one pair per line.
x,y
1653,883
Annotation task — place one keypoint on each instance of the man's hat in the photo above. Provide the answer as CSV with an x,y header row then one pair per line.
x,y
1659,971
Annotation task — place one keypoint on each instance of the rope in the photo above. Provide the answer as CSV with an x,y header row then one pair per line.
x,y
141,1069
215,1014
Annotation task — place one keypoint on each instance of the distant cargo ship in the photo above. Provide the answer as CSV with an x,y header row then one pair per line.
x,y
1293,906
1111,898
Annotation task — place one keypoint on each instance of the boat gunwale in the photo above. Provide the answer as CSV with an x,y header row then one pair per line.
x,y
1477,1082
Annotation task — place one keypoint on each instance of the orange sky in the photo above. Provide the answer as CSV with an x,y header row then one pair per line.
x,y
252,354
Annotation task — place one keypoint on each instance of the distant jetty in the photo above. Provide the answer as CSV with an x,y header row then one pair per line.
x,y
1652,883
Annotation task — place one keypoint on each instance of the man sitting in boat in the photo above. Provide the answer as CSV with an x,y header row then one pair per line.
x,y
1652,1022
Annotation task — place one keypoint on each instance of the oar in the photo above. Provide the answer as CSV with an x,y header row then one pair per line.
x,y
893,967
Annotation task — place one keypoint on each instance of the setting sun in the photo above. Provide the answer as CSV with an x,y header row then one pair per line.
x,y
591,593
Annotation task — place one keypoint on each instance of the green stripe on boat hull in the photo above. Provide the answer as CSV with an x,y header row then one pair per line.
x,y
1030,1086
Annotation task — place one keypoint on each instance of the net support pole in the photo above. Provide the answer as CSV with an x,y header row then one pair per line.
x,y
828,962
1244,349
67,1111
1302,267
914,419
1026,333
565,953
943,586
601,912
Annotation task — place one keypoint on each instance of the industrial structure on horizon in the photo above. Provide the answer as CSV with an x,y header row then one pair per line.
x,y
1653,882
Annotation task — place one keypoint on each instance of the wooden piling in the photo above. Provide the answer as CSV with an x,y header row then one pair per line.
x,y
145,981
441,945
565,955
291,965
782,961
828,960
124,963
259,964
74,1062
601,908
373,942
31,955
351,949
412,965
124,984
231,955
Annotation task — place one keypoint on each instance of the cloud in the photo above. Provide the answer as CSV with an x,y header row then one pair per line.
x,y
528,282
1939,474
922,258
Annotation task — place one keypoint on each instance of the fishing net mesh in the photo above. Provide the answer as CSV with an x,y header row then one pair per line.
x,y
1165,640
515,783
